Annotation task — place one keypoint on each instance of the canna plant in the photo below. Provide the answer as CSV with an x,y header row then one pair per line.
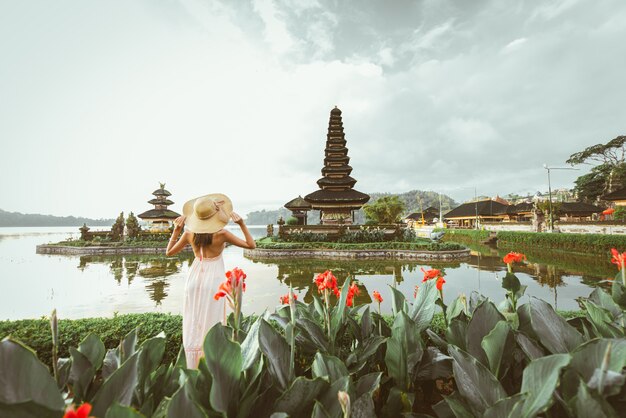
x,y
232,289
347,361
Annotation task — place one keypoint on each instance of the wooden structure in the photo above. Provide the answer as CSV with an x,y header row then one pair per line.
x,y
618,197
336,200
427,216
299,208
160,218
577,211
468,214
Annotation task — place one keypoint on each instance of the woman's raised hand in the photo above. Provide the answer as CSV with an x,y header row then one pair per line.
x,y
236,218
179,222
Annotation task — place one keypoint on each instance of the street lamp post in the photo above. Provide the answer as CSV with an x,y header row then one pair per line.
x,y
550,191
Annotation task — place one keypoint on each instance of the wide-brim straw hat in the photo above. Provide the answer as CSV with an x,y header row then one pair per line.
x,y
207,214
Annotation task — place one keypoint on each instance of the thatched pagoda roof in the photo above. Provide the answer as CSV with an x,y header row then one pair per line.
x,y
160,202
159,214
341,197
298,204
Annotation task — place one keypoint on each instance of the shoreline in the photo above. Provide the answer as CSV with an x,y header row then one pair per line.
x,y
96,250
372,254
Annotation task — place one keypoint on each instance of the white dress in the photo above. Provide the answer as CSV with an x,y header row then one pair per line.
x,y
200,310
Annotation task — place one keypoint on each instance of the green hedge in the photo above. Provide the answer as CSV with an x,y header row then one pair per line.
x,y
423,245
36,332
584,243
476,235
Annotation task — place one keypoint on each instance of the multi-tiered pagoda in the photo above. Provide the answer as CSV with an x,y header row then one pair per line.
x,y
336,200
160,218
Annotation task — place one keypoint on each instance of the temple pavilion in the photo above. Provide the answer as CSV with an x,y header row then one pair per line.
x,y
336,199
160,218
299,209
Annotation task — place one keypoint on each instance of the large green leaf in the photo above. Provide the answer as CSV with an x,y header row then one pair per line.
x,y
511,283
367,384
92,348
276,349
26,384
484,319
363,407
224,361
455,308
150,356
366,323
601,298
366,349
396,361
82,373
314,333
589,356
328,366
328,398
587,404
476,384
537,318
403,350
398,301
318,412
250,347
601,320
182,404
528,345
339,311
298,399
434,365
618,292
539,382
423,308
453,406
503,407
119,387
456,333
493,345
128,346
118,411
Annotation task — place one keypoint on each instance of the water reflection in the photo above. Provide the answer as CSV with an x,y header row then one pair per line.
x,y
154,269
546,269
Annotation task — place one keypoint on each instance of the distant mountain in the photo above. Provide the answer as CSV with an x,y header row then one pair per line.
x,y
35,219
411,199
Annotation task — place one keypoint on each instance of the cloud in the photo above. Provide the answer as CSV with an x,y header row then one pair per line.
x,y
235,97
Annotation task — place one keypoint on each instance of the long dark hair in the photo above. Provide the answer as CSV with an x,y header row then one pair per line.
x,y
202,240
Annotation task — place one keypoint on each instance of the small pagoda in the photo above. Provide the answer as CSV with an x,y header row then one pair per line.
x,y
336,200
160,218
299,208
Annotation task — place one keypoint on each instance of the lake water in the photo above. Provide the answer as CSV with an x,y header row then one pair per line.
x,y
88,286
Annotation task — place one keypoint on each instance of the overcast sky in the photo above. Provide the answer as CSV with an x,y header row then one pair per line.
x,y
101,100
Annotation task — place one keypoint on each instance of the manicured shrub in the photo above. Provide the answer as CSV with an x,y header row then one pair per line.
x,y
584,243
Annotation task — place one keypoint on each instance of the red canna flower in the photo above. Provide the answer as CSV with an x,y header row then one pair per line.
x,y
618,258
377,297
229,288
82,412
353,290
513,257
430,274
224,290
285,299
328,281
440,282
